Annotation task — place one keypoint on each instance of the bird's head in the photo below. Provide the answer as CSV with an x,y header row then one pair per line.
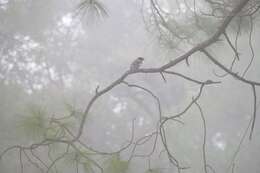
x,y
140,58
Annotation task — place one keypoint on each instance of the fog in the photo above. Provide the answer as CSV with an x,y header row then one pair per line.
x,y
74,97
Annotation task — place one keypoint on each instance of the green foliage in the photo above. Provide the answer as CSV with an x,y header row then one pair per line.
x,y
71,158
87,167
73,111
76,158
154,170
116,165
54,132
92,9
34,124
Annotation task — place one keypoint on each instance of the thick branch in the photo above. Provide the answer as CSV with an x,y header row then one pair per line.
x,y
172,63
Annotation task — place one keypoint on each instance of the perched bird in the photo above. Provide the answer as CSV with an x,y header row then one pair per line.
x,y
136,63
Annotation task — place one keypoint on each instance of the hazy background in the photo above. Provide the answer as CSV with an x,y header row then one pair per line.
x,y
52,60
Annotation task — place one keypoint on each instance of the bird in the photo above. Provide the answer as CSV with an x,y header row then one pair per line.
x,y
136,64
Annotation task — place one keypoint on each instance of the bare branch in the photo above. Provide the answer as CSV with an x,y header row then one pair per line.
x,y
254,112
204,137
231,45
235,75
